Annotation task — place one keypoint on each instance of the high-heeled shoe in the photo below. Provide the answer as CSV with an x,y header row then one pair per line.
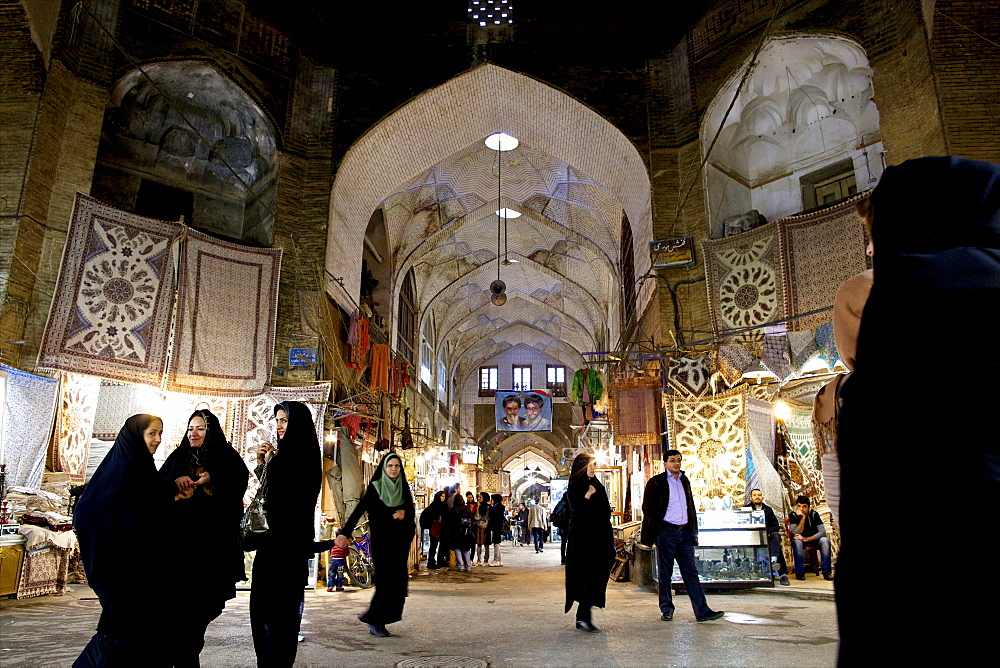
x,y
380,631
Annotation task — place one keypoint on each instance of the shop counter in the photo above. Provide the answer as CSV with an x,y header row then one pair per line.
x,y
732,551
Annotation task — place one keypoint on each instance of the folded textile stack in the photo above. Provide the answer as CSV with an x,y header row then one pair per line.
x,y
26,499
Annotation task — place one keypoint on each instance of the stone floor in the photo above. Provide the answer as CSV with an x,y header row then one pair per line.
x,y
509,616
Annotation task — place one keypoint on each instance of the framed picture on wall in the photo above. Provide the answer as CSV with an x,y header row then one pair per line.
x,y
526,410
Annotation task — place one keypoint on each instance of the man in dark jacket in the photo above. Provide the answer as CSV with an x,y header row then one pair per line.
x,y
773,533
806,526
670,519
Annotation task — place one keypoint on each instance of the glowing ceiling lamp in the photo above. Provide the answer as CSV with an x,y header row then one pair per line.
x,y
501,141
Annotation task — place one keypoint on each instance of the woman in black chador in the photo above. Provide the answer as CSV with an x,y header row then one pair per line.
x,y
389,505
292,474
590,547
120,517
208,478
918,415
437,511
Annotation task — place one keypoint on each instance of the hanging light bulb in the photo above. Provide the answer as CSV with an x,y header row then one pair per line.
x,y
501,141
498,291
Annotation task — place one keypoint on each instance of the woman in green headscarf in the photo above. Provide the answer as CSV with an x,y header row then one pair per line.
x,y
389,505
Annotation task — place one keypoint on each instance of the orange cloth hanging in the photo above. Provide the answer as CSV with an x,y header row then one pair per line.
x,y
380,366
359,350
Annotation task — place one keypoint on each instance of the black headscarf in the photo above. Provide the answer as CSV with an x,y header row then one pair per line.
x,y
437,510
294,475
120,511
578,472
924,384
228,471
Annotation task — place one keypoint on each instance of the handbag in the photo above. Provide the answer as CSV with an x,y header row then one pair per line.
x,y
254,524
436,529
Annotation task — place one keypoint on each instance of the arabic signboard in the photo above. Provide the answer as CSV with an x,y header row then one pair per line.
x,y
672,252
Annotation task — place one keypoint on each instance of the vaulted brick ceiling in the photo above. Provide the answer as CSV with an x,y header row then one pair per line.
x,y
444,225
571,178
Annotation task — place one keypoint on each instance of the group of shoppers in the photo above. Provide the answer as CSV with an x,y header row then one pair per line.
x,y
189,514
463,528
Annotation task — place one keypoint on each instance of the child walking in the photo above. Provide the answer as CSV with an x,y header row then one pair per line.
x,y
338,564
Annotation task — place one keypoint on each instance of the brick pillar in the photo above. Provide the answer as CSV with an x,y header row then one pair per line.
x,y
50,124
303,211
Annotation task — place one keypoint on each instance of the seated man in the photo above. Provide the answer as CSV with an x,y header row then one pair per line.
x,y
773,533
806,527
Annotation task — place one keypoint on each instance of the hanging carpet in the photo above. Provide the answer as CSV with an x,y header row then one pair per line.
x,y
711,434
30,410
744,283
228,296
111,308
70,447
637,411
820,251
688,375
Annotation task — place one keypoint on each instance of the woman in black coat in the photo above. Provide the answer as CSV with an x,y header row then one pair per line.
x,y
389,505
495,528
209,479
461,533
590,547
119,514
935,225
291,479
437,511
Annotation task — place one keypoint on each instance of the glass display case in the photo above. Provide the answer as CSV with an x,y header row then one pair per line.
x,y
732,551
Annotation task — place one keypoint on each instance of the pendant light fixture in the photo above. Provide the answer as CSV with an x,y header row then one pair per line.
x,y
501,142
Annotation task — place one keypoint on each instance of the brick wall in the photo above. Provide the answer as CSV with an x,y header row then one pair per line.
x,y
60,158
968,75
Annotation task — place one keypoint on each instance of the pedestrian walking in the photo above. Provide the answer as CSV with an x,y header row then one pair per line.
x,y
590,549
495,526
462,536
433,518
537,525
389,505
482,521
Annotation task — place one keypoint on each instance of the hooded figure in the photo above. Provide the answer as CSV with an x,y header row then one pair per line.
x,y
590,546
389,505
121,512
917,412
437,511
291,480
212,562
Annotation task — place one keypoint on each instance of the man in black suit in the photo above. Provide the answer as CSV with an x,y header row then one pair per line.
x,y
670,519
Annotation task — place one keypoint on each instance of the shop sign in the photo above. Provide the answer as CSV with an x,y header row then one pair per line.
x,y
672,252
470,454
303,356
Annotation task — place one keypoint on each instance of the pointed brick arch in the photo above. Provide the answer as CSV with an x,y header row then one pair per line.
x,y
445,120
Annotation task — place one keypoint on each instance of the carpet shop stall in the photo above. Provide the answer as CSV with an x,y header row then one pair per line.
x,y
148,316
739,406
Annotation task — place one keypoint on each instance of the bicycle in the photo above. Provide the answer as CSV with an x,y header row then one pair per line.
x,y
516,533
360,568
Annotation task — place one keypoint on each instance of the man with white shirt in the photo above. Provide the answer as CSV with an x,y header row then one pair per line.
x,y
670,520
